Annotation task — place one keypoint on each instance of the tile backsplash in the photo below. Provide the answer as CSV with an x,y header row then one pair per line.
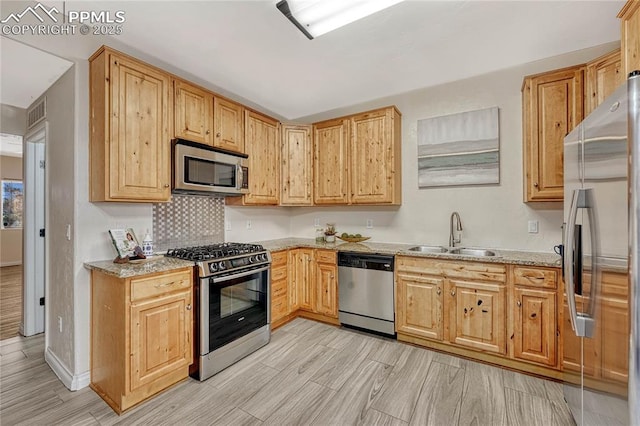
x,y
188,220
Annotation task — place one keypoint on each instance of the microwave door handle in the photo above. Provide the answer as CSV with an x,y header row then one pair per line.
x,y
239,177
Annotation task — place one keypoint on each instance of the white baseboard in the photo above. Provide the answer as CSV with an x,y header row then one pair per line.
x,y
19,262
72,382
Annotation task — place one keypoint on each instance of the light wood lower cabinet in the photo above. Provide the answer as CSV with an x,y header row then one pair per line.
x,y
419,305
535,325
326,278
141,339
279,286
312,285
460,303
477,315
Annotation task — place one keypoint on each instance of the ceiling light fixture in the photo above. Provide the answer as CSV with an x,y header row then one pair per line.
x,y
317,17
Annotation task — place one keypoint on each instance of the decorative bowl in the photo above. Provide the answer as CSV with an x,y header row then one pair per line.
x,y
353,239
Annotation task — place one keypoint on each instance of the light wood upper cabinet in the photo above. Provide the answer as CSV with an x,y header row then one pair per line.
x,y
604,75
263,148
193,113
326,278
375,157
330,162
297,166
419,307
141,334
552,107
228,125
630,37
129,149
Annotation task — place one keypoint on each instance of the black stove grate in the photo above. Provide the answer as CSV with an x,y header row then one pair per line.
x,y
213,251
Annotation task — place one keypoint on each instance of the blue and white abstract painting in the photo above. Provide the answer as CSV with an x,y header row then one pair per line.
x,y
459,149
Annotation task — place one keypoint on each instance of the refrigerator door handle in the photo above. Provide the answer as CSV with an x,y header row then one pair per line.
x,y
569,248
582,323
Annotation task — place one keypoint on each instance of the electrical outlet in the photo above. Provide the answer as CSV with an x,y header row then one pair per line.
x,y
369,223
227,225
533,226
248,224
316,222
60,324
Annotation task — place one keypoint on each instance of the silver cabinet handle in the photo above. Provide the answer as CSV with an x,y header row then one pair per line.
x,y
438,292
207,132
519,303
218,135
453,292
188,307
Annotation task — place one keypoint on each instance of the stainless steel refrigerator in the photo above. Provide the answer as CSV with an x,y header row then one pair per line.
x,y
601,356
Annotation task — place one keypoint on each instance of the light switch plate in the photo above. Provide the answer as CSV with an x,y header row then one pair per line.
x,y
249,224
533,226
369,223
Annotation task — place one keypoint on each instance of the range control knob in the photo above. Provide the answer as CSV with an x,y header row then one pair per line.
x,y
264,257
213,267
221,266
253,259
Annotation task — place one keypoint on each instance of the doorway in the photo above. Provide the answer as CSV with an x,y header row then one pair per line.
x,y
34,232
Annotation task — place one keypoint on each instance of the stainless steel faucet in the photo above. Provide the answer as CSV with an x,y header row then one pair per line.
x,y
452,240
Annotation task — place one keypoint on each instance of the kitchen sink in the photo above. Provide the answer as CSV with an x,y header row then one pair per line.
x,y
429,249
472,252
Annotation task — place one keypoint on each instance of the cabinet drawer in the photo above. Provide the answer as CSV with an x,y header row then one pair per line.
x,y
278,288
535,277
279,273
279,258
144,288
452,269
279,307
325,256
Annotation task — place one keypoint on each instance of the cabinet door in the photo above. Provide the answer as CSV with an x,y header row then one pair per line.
x,y
228,124
279,290
419,305
535,325
140,163
330,162
604,75
552,107
263,148
477,315
306,280
160,337
297,166
193,114
630,40
327,286
373,167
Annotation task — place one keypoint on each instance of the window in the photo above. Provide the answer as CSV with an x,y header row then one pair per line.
x,y
12,196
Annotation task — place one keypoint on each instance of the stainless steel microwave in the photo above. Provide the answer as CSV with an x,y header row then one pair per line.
x,y
201,169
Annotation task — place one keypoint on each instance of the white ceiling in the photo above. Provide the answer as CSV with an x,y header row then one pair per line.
x,y
26,73
250,49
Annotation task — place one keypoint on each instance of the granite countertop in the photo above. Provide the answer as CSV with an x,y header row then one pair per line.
x,y
151,265
515,257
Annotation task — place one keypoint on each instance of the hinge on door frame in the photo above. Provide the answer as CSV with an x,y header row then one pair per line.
x,y
42,164
42,232
42,301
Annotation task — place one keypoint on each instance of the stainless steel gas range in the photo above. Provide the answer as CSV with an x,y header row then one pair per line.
x,y
232,303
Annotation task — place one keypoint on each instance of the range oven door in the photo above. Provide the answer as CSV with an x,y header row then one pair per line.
x,y
232,306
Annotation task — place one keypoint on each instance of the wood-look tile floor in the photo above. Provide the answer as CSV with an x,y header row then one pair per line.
x,y
310,374
10,301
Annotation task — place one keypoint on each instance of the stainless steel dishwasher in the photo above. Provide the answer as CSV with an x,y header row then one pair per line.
x,y
365,291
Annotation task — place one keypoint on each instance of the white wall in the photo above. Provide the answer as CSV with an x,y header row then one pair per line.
x,y
492,215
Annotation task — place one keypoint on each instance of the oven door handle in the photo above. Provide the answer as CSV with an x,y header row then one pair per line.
x,y
217,280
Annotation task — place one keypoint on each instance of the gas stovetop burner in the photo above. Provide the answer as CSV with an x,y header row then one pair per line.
x,y
214,251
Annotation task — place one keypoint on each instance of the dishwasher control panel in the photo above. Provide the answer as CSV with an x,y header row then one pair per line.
x,y
377,262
